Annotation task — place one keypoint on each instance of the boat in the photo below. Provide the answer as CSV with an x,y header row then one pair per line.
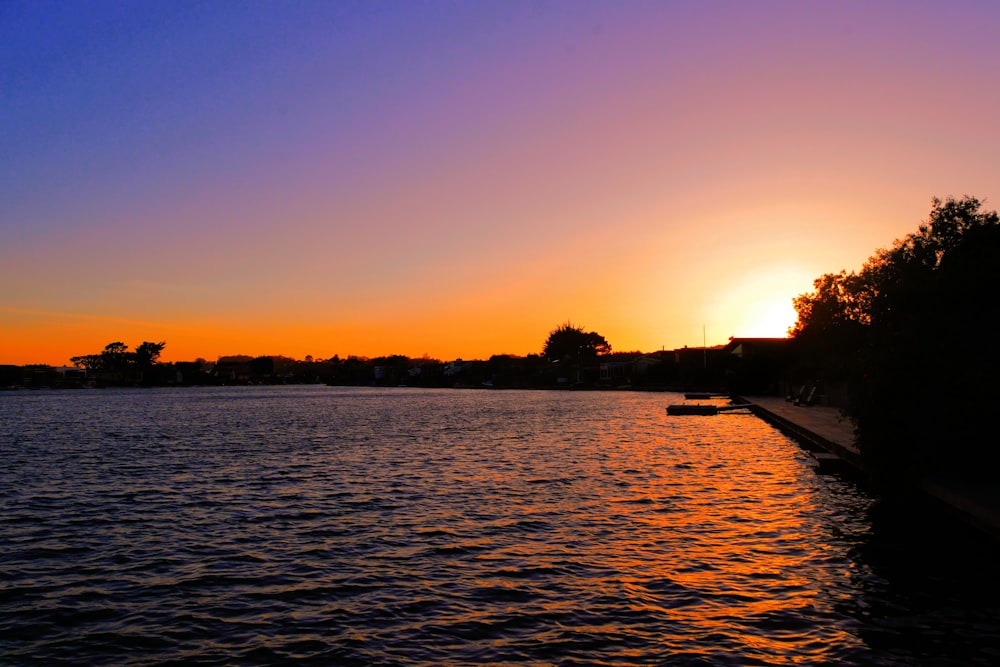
x,y
696,409
700,409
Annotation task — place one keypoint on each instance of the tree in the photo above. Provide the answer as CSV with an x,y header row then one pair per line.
x,y
148,353
116,358
573,343
261,367
88,362
831,329
920,387
930,374
838,301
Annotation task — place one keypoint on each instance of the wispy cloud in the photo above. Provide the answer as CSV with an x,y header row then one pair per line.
x,y
86,317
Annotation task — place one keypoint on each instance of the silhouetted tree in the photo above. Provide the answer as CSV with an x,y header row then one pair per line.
x,y
116,365
88,362
116,357
573,343
261,367
832,330
148,353
912,323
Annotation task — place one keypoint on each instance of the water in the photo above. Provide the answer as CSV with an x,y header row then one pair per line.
x,y
332,526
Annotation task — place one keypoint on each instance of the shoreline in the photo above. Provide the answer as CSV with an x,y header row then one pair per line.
x,y
824,431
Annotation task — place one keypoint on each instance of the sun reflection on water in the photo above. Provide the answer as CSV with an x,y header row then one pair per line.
x,y
420,527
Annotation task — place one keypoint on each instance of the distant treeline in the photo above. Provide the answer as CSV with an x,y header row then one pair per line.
x,y
571,357
688,368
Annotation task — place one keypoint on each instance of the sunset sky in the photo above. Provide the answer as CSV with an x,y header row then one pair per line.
x,y
458,178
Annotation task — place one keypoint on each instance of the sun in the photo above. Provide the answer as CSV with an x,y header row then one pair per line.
x,y
769,319
759,306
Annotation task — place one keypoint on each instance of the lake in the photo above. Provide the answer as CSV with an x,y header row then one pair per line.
x,y
364,526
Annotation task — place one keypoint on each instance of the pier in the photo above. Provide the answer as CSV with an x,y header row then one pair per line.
x,y
830,438
820,429
702,409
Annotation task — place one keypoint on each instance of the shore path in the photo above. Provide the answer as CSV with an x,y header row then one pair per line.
x,y
825,428
818,427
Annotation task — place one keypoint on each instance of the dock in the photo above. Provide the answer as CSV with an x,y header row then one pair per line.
x,y
820,429
830,438
700,409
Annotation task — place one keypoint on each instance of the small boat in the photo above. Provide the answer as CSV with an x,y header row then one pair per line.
x,y
704,394
699,409
681,409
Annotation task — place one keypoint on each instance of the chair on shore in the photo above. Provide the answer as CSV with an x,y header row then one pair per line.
x,y
809,398
796,395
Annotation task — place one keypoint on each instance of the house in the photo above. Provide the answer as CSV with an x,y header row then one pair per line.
x,y
616,368
233,370
758,365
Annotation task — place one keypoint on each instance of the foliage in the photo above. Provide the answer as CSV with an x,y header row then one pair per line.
x,y
906,332
573,343
148,353
115,358
261,367
839,301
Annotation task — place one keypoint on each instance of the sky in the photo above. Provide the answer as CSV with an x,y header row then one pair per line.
x,y
457,179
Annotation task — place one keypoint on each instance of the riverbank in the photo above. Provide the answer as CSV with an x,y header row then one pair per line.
x,y
823,430
830,436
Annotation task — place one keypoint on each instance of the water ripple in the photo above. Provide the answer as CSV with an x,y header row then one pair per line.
x,y
402,527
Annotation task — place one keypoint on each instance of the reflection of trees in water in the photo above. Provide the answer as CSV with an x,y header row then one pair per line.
x,y
923,575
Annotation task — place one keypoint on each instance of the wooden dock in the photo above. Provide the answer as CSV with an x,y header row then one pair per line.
x,y
830,438
701,409
818,428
